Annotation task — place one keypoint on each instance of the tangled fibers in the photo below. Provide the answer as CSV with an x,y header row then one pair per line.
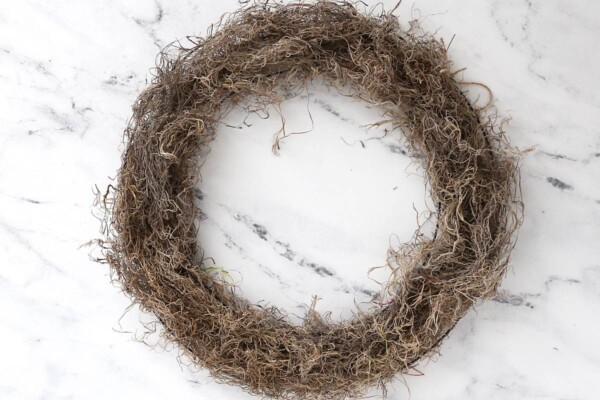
x,y
152,221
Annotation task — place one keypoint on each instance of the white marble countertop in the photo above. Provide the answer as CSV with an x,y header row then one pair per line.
x,y
311,221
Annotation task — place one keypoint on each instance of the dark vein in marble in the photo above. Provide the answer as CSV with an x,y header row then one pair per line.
x,y
330,109
77,122
20,239
115,80
160,13
230,243
523,299
516,300
557,183
32,201
284,250
148,25
260,230
557,156
553,278
394,148
525,26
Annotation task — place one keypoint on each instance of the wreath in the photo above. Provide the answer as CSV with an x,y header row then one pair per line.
x,y
151,226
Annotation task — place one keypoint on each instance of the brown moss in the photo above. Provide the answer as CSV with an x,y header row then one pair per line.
x,y
151,221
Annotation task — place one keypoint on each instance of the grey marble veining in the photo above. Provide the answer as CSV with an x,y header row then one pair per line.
x,y
312,221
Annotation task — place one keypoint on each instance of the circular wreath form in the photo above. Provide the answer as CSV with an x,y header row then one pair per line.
x,y
151,227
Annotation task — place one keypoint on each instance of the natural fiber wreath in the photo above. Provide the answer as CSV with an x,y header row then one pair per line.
x,y
151,229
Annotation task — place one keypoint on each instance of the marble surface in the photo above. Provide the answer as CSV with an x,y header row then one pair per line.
x,y
312,221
